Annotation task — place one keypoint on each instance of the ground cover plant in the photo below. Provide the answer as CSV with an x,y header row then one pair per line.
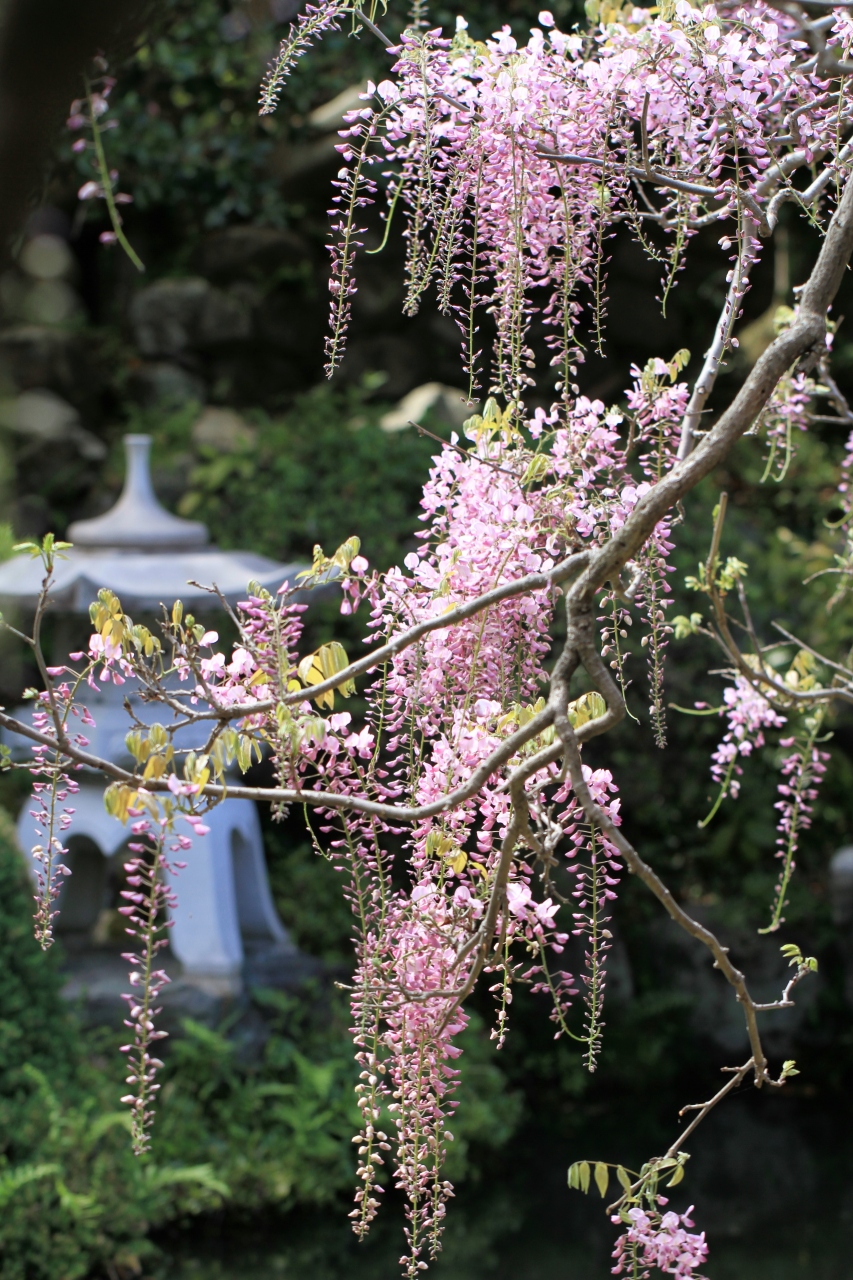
x,y
240,1131
510,166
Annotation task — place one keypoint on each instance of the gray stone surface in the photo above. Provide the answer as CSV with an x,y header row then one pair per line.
x,y
165,316
34,356
223,430
42,415
172,318
144,554
156,382
713,1009
225,318
249,251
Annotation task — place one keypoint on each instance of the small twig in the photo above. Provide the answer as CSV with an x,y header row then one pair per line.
x,y
845,671
703,1108
468,456
107,185
371,27
644,137
739,1073
713,554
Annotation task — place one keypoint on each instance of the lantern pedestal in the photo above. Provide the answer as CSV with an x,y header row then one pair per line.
x,y
225,927
224,909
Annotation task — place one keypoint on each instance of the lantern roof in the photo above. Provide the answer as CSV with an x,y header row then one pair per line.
x,y
143,553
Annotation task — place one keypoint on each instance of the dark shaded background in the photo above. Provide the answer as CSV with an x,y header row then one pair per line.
x,y
229,216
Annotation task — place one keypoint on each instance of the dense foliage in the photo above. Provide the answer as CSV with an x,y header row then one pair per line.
x,y
256,1116
724,874
307,471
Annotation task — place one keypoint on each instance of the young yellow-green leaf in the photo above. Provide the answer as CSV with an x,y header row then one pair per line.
x,y
589,706
676,1177
118,799
574,1180
155,768
333,658
346,553
537,468
583,1174
679,361
602,1178
623,1178
309,671
460,862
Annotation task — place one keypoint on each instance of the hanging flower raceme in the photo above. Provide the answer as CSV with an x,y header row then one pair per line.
x,y
802,773
786,413
597,873
147,897
517,497
53,790
748,713
659,1240
511,163
87,116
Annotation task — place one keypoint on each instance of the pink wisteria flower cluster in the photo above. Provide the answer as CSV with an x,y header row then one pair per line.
x,y
748,713
148,896
53,790
86,117
660,1240
507,508
512,163
802,773
472,838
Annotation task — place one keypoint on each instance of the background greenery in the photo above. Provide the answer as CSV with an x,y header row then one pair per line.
x,y
250,1127
242,1125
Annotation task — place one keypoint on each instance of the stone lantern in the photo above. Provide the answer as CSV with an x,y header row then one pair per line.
x,y
225,922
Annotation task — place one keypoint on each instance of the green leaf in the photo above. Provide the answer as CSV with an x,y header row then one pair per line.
x,y
623,1177
13,1179
679,361
583,1174
602,1178
103,1124
676,1177
32,548
200,1174
685,626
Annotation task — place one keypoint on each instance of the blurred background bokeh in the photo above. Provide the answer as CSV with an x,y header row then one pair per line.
x,y
216,351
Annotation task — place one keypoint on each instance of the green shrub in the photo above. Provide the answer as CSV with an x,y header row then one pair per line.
x,y
242,1126
34,1023
319,473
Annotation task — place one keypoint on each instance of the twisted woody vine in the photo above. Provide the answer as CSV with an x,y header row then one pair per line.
x,y
509,167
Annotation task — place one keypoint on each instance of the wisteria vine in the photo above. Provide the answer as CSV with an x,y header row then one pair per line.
x,y
510,166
